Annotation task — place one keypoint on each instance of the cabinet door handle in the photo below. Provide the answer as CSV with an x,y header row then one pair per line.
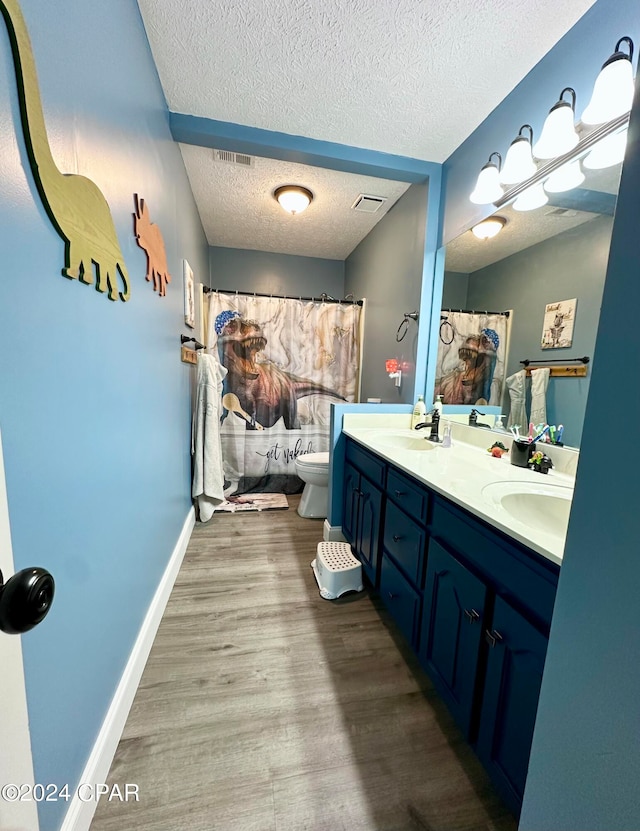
x,y
399,493
492,638
471,615
396,538
392,596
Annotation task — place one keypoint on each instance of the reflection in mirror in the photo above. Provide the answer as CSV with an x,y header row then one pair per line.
x,y
539,258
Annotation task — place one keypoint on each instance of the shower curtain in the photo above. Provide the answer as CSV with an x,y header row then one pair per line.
x,y
472,356
287,360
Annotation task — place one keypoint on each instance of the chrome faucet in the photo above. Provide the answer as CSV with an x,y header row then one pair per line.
x,y
473,419
434,424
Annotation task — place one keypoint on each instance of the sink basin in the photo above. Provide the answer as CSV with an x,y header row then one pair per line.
x,y
545,507
404,441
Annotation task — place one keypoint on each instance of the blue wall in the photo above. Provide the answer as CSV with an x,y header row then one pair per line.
x,y
387,269
94,401
269,273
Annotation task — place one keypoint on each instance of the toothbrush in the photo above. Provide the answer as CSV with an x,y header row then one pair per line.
x,y
560,432
530,430
552,434
540,435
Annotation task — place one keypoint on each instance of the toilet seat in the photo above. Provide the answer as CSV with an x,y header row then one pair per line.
x,y
315,460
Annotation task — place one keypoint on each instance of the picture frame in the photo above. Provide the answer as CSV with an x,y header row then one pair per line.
x,y
557,326
189,295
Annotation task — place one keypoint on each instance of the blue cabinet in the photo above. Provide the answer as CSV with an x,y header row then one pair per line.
x,y
474,604
452,626
401,599
367,544
362,512
516,653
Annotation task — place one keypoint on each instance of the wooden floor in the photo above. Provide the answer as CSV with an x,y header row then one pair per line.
x,y
264,707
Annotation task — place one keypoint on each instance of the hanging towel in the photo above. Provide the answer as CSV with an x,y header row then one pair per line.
x,y
539,384
516,386
206,449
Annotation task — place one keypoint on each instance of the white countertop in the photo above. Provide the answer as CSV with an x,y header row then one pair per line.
x,y
462,471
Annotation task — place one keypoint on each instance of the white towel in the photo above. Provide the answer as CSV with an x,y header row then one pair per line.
x,y
208,476
539,384
516,386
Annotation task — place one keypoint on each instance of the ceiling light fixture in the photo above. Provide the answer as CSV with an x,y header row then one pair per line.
x,y
613,90
488,187
490,227
558,133
518,164
293,198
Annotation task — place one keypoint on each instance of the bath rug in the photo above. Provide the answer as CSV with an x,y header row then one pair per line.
x,y
254,502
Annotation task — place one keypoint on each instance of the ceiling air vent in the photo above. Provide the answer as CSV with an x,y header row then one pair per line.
x,y
368,204
230,157
566,212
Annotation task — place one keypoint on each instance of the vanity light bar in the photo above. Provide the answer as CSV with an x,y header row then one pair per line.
x,y
580,149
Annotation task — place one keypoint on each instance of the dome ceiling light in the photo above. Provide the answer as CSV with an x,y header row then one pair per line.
x,y
293,198
489,228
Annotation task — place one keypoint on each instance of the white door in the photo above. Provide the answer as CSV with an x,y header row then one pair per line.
x,y
16,766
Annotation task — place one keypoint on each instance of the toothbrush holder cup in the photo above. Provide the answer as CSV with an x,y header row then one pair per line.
x,y
521,452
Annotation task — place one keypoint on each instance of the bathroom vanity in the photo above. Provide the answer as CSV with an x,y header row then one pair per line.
x,y
469,582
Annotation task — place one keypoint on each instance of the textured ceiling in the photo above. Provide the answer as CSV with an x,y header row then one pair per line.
x,y
410,77
238,210
467,253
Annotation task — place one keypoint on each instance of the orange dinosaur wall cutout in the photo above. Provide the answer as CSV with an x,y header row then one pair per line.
x,y
75,205
150,240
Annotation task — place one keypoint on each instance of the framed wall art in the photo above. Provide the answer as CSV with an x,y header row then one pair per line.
x,y
557,329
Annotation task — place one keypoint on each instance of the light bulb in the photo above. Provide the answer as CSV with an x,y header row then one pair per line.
x,y
488,188
518,164
530,199
567,177
558,133
607,152
612,94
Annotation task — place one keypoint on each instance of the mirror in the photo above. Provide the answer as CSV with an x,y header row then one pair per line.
x,y
540,258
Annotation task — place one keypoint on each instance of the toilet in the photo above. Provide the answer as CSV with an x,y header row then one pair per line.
x,y
313,469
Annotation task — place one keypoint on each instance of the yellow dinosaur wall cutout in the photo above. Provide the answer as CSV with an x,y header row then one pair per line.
x,y
76,206
150,240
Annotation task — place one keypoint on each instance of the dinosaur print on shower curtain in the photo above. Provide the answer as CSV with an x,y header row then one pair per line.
x,y
286,361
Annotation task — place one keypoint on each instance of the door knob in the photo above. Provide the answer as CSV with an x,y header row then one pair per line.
x,y
25,599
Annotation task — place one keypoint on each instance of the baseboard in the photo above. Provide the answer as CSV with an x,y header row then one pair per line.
x,y
332,533
80,813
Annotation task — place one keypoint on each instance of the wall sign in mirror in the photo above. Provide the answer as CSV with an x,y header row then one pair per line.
x,y
558,251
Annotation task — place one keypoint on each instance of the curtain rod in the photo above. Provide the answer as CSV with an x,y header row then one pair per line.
x,y
476,312
324,297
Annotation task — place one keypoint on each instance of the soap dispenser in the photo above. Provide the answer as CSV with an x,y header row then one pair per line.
x,y
419,413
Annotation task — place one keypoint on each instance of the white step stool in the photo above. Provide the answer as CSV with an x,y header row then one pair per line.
x,y
336,570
